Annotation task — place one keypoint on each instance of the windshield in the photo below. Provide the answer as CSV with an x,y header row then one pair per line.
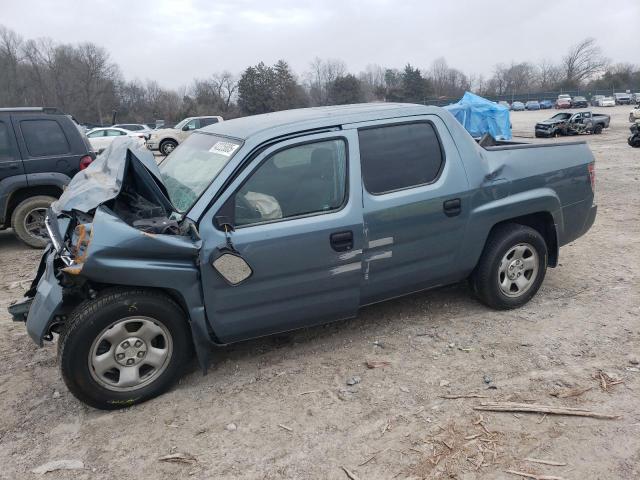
x,y
182,123
191,167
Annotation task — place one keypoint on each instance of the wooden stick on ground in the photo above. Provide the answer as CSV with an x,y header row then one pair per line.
x,y
534,408
351,475
573,392
463,395
533,476
546,462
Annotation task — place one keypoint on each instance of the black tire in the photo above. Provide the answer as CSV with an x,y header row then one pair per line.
x,y
485,279
21,214
597,130
93,317
167,146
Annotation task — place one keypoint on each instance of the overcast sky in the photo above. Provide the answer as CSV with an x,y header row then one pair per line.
x,y
175,41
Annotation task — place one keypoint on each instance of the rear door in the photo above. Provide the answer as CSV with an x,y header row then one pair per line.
x,y
416,206
49,143
11,166
297,210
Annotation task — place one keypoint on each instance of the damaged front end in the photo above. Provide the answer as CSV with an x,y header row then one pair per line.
x,y
113,226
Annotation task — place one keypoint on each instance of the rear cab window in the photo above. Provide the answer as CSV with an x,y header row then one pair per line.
x,y
44,138
399,156
207,121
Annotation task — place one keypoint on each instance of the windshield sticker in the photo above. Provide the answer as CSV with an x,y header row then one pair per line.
x,y
224,148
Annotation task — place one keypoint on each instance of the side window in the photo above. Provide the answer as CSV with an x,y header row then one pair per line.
x,y
44,137
99,133
193,124
114,133
207,121
6,150
395,157
301,180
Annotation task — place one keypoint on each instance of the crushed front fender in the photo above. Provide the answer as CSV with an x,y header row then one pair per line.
x,y
47,302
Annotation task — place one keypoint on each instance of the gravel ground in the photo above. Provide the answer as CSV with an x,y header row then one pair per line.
x,y
294,416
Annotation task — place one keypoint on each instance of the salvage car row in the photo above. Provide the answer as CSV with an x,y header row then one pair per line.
x,y
164,140
566,101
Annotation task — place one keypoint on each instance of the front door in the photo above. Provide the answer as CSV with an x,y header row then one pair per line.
x,y
296,211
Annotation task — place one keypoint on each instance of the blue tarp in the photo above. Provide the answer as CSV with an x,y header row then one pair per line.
x,y
479,116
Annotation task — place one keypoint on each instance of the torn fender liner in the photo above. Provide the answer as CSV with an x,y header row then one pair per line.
x,y
124,167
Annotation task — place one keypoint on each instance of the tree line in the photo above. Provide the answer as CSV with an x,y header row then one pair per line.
x,y
83,80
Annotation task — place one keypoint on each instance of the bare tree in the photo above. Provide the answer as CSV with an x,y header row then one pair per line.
x,y
583,61
512,79
323,73
226,86
373,83
10,58
549,75
447,81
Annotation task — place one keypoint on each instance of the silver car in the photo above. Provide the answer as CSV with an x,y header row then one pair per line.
x,y
166,140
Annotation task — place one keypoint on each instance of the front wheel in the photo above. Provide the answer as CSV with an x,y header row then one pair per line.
x,y
511,268
123,347
168,146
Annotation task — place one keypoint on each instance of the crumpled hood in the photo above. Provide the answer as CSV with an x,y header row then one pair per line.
x,y
103,180
550,122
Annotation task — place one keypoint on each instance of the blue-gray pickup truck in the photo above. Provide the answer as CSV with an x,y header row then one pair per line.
x,y
280,221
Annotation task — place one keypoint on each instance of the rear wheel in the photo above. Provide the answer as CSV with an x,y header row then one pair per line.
x,y
597,130
123,348
27,220
511,268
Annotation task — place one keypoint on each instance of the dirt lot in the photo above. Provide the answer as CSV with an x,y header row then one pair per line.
x,y
295,417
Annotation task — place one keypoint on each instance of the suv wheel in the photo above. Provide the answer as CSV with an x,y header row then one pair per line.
x,y
123,348
168,146
27,220
511,268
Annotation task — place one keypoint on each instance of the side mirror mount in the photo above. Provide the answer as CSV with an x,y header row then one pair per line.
x,y
225,219
224,223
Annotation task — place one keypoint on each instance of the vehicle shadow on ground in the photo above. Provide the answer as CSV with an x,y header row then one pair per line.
x,y
415,314
9,240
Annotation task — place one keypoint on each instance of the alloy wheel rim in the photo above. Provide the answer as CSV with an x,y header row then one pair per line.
x,y
518,270
168,148
130,353
34,222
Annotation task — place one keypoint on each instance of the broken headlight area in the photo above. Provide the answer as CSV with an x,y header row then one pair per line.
x,y
78,246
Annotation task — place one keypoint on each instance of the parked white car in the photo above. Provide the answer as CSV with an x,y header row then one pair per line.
x,y
634,114
167,139
135,127
607,102
101,138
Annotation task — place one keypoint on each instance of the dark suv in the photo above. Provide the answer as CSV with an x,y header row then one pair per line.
x,y
40,150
